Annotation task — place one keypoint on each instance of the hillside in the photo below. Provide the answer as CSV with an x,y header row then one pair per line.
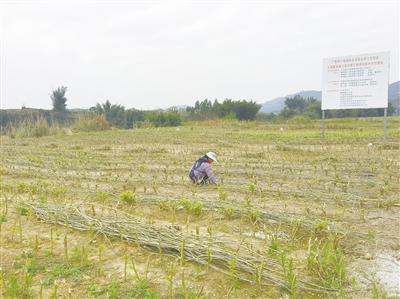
x,y
277,104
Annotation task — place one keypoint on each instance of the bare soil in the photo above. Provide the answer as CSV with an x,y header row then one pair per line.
x,y
349,188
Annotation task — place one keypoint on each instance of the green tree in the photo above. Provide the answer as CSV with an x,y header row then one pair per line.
x,y
296,103
287,113
203,111
104,108
367,113
58,99
115,114
167,119
216,108
313,111
4,118
246,110
133,116
391,110
394,107
265,116
311,108
241,110
227,108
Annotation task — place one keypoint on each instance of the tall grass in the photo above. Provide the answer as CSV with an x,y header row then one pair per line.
x,y
32,128
90,122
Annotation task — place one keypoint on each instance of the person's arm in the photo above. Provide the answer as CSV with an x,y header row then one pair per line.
x,y
210,174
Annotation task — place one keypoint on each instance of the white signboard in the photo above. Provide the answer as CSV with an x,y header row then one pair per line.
x,y
354,82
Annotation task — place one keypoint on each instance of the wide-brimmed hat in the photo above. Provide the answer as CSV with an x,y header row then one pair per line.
x,y
212,156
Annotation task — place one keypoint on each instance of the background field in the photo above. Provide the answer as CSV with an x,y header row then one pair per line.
x,y
114,215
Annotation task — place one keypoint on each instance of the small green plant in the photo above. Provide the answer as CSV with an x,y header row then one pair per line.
x,y
169,277
222,194
54,294
94,291
18,286
273,249
228,211
376,293
151,294
127,197
233,287
258,269
81,256
370,237
113,290
66,247
252,187
232,266
197,208
100,255
125,266
3,218
254,292
253,214
329,262
247,199
291,277
59,192
189,206
182,259
103,196
140,287
264,200
198,271
188,294
320,226
163,204
22,208
209,258
66,270
21,187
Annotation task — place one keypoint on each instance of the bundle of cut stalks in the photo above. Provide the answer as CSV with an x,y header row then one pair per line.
x,y
216,253
264,217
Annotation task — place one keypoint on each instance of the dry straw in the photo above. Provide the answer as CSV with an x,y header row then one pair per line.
x,y
112,223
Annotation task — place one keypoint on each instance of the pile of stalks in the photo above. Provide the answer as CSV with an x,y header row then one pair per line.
x,y
264,219
219,254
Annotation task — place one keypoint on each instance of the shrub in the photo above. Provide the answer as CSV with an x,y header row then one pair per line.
x,y
91,122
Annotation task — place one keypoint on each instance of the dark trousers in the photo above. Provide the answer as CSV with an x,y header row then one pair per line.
x,y
197,181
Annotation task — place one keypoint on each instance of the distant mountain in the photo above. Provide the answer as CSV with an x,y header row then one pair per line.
x,y
394,91
178,108
277,104
394,96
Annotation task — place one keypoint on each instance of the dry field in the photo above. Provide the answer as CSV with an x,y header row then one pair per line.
x,y
114,215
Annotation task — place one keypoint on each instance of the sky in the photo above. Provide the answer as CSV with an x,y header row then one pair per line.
x,y
158,54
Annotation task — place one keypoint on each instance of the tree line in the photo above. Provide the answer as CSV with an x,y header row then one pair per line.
x,y
311,108
116,115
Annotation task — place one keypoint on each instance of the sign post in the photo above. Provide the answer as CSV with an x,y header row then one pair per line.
x,y
356,82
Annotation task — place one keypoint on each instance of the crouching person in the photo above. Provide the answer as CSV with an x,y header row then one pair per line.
x,y
201,172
